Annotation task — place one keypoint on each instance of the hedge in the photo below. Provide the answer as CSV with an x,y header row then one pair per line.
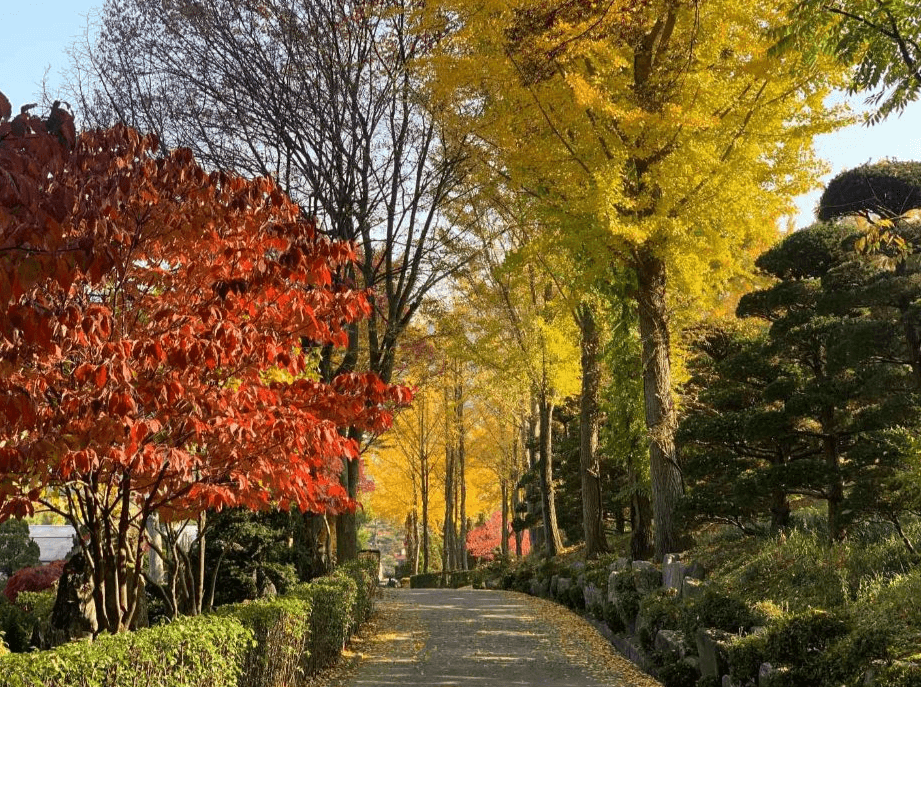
x,y
277,641
433,580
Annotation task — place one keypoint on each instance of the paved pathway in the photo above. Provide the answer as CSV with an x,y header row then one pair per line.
x,y
477,638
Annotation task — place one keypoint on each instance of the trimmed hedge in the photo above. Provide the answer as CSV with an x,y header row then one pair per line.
x,y
433,580
277,641
202,651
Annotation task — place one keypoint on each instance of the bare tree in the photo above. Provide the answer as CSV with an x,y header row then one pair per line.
x,y
319,93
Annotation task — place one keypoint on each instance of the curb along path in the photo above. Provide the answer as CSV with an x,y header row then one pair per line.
x,y
479,638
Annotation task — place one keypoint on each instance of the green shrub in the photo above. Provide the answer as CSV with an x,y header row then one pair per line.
x,y
746,655
17,550
279,654
673,672
190,651
716,609
628,599
17,626
611,616
657,610
426,580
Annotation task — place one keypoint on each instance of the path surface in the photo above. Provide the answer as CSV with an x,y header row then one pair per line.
x,y
479,638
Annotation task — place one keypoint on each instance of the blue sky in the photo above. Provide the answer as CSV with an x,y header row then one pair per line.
x,y
35,36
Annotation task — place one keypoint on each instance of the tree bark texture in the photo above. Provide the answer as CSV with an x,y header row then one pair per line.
x,y
661,420
589,426
553,542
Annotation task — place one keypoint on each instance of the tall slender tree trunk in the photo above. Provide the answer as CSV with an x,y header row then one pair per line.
x,y
503,490
553,542
589,426
661,420
532,491
450,471
461,473
642,545
346,522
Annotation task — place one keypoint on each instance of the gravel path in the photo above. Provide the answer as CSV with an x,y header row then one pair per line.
x,y
478,638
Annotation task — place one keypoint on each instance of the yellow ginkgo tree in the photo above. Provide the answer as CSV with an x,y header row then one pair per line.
x,y
658,137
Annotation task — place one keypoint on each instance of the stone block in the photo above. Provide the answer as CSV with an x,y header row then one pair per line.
x,y
711,650
727,680
668,641
594,598
691,588
646,577
673,572
612,587
563,585
621,564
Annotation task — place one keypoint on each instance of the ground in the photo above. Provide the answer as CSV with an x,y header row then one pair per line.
x,y
475,638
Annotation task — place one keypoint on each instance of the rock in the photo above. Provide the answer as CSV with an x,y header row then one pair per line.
x,y
727,680
766,674
621,564
696,570
612,589
690,588
673,572
668,641
646,577
711,650
490,583
563,585
594,599
543,589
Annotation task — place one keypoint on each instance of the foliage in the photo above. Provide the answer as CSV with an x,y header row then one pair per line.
x,y
33,579
17,550
887,189
190,651
279,642
281,629
170,375
879,40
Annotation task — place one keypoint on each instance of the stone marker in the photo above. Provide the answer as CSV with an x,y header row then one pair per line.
x,y
673,572
711,650
668,641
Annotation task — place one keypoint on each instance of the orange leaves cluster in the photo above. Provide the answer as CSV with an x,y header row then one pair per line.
x,y
144,302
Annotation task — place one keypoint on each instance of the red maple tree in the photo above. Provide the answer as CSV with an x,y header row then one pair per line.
x,y
159,345
484,540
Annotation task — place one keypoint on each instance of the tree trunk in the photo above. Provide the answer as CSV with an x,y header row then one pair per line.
x,y
461,473
642,546
661,421
532,489
553,543
780,508
346,522
589,425
503,489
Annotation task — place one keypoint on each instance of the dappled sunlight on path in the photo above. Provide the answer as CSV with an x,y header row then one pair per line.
x,y
466,637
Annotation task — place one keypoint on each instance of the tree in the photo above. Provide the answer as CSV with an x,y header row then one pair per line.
x,y
323,96
176,380
17,550
879,39
666,126
845,384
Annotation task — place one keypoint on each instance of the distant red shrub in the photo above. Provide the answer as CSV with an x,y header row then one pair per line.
x,y
33,579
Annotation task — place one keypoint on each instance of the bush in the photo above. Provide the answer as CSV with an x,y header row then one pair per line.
x,y
17,550
716,609
33,579
276,641
190,651
426,580
281,631
659,609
